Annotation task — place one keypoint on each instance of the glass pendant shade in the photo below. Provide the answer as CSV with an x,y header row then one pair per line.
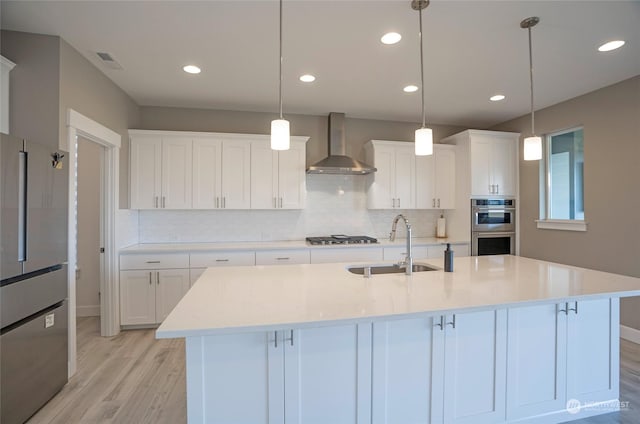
x,y
533,148
280,134
424,142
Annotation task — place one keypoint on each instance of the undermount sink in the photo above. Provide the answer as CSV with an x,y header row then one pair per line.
x,y
389,269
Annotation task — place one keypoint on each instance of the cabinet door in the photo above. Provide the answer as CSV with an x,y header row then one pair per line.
x,y
475,367
381,193
292,177
137,297
536,362
145,168
481,183
593,350
445,177
207,173
176,173
426,181
264,176
405,177
328,375
402,361
503,166
171,286
236,174
234,379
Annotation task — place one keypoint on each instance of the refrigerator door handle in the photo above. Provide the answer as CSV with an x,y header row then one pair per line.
x,y
22,206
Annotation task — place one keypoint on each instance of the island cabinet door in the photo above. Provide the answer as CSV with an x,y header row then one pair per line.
x,y
593,331
536,361
475,368
402,370
328,375
235,379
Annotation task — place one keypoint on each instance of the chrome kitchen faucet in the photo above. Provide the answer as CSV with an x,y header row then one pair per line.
x,y
407,263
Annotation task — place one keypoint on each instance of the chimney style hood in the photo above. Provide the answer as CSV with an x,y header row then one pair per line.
x,y
338,162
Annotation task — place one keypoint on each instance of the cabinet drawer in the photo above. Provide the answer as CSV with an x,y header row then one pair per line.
x,y
154,261
320,256
212,259
398,253
282,257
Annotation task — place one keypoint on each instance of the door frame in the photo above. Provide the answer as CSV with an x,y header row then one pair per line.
x,y
80,125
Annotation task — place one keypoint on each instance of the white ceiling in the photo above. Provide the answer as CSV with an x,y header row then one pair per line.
x,y
473,49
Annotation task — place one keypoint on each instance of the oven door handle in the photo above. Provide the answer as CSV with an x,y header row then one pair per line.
x,y
494,210
496,234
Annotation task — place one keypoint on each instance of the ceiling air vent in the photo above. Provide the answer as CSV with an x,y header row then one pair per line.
x,y
109,61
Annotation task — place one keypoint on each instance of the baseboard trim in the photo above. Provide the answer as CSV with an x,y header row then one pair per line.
x,y
88,311
629,333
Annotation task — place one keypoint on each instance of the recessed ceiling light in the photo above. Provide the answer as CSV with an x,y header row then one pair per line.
x,y
496,98
391,38
410,89
191,69
611,45
307,78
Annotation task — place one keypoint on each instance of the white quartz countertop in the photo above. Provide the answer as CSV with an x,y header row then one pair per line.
x,y
260,298
274,245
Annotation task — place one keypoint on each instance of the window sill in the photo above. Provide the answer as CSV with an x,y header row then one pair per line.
x,y
561,224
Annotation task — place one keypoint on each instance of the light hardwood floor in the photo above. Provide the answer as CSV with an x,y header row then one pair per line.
x,y
134,379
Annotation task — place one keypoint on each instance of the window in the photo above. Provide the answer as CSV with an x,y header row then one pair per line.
x,y
562,181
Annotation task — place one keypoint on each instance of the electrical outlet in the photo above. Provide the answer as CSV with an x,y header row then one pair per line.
x,y
49,320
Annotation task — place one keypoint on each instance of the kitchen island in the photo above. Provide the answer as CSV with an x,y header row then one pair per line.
x,y
501,339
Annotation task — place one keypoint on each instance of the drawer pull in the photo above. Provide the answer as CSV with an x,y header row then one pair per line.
x,y
222,260
283,259
153,262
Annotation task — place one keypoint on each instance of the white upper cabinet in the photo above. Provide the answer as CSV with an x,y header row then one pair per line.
x,y
436,178
278,177
188,170
489,162
393,185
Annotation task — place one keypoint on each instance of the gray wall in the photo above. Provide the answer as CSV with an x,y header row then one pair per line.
x,y
611,121
34,85
88,91
359,131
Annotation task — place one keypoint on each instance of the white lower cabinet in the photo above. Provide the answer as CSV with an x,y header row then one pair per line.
x,y
443,369
560,352
147,296
304,376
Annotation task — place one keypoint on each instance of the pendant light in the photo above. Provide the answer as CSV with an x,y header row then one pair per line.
x,y
533,143
280,127
424,136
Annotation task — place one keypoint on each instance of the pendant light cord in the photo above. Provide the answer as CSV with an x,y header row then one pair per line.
x,y
280,70
531,82
422,71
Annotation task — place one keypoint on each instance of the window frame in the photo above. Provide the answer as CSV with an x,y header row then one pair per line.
x,y
544,222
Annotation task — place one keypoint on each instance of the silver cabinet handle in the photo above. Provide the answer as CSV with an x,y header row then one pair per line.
x,y
282,259
158,277
497,188
275,203
153,262
441,323
222,260
398,202
566,308
224,202
150,278
156,201
393,202
281,203
453,323
275,339
22,207
290,338
438,202
163,202
217,202
433,203
572,309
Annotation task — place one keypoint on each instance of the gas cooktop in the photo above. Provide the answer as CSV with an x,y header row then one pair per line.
x,y
340,239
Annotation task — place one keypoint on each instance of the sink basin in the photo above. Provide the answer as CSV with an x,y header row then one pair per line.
x,y
389,269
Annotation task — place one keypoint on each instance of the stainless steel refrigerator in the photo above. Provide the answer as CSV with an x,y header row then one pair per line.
x,y
33,283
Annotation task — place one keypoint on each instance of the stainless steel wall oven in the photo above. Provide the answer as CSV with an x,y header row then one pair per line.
x,y
493,227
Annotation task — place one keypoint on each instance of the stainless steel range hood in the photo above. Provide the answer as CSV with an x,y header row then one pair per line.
x,y
338,162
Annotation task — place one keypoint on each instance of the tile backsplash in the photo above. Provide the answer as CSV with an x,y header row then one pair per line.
x,y
336,204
